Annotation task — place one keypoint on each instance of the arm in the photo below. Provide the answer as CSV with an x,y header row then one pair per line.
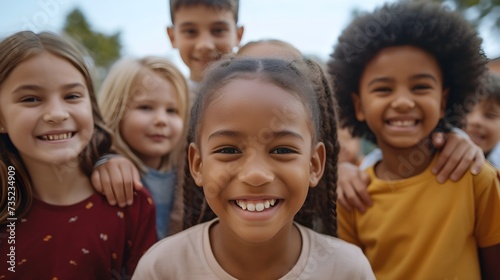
x,y
489,258
352,187
116,177
458,154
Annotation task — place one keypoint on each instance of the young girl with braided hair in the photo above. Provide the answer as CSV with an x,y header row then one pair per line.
x,y
255,159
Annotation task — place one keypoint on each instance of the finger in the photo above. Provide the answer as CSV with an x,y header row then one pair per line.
x,y
128,184
137,179
353,198
479,159
362,188
117,185
438,139
463,165
443,158
106,187
95,179
451,164
341,198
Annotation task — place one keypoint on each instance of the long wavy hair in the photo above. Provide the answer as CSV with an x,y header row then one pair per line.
x,y
14,50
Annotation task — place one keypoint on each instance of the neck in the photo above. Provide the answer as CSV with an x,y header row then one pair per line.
x,y
404,163
267,260
63,184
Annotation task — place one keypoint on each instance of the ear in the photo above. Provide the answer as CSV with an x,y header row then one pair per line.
x,y
239,34
317,165
171,36
358,108
444,99
195,164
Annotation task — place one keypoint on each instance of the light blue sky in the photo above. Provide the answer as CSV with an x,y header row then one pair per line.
x,y
311,27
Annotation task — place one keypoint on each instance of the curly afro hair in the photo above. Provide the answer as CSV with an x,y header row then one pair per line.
x,y
446,35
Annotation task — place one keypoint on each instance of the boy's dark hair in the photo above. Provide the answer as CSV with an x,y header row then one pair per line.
x,y
444,34
318,211
225,5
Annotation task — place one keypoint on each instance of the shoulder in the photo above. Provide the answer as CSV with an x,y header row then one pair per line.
x,y
172,255
143,198
178,244
335,257
487,176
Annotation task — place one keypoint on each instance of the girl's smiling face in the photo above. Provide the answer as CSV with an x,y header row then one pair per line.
x,y
401,96
45,109
255,158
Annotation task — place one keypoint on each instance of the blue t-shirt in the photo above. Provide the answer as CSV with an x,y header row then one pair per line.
x,y
494,156
161,186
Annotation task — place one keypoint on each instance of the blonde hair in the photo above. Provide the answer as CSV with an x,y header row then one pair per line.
x,y
14,50
129,76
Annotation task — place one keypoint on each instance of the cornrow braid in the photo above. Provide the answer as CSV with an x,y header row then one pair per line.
x,y
325,199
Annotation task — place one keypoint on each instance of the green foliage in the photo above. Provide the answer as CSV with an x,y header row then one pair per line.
x,y
104,49
480,12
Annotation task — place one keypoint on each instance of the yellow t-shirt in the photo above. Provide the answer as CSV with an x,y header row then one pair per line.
x,y
420,229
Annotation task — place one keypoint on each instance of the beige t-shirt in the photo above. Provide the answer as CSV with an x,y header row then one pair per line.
x,y
188,255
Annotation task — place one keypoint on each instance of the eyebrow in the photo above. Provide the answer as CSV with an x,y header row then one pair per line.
x,y
414,77
39,88
235,134
190,24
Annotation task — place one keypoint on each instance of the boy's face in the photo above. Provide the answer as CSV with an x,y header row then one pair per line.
x,y
203,34
483,124
400,96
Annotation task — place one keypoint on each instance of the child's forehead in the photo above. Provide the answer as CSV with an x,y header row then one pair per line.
x,y
488,104
203,14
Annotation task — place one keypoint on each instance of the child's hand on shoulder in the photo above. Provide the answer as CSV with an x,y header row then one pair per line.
x,y
457,155
116,179
352,187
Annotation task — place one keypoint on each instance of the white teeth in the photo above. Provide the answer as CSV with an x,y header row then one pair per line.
x,y
259,206
402,123
61,136
250,207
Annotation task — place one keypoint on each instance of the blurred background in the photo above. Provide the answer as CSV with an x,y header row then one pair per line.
x,y
111,29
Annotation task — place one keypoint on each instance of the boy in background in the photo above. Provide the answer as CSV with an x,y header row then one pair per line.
x,y
203,31
483,122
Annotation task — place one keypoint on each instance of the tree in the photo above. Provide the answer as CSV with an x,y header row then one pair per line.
x,y
479,12
103,49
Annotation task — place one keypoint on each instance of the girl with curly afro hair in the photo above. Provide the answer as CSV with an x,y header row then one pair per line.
x,y
401,73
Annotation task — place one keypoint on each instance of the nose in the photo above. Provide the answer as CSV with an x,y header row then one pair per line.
x,y
55,111
161,118
205,42
403,101
255,171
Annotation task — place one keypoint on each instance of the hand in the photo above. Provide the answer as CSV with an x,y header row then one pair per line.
x,y
458,153
116,179
352,187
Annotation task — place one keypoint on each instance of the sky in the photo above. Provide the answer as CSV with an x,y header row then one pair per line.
x,y
312,28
